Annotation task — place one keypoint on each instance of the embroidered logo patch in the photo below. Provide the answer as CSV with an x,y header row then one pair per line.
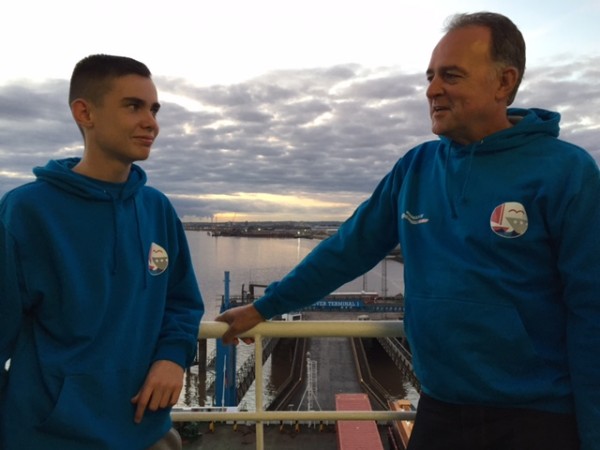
x,y
509,220
414,219
158,259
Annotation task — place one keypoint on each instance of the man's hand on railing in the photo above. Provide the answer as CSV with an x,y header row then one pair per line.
x,y
240,320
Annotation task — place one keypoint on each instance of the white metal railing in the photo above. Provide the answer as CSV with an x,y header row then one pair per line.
x,y
303,329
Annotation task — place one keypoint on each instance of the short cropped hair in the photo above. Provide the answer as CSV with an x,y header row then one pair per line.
x,y
508,44
92,76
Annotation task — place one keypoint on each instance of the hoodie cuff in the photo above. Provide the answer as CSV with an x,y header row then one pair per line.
x,y
265,308
175,353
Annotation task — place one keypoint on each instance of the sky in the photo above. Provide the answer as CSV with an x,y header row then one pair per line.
x,y
274,109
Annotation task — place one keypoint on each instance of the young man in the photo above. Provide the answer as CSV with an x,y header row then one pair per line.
x,y
100,304
498,223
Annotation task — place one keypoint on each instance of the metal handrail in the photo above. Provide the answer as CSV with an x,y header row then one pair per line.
x,y
302,329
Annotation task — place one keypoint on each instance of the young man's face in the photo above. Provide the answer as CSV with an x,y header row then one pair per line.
x,y
124,122
463,86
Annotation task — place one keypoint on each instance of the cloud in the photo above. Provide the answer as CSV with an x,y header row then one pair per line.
x,y
291,144
35,124
336,130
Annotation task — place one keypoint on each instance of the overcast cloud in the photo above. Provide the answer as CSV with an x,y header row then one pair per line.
x,y
301,145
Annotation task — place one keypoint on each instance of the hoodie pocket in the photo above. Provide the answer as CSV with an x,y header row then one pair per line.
x,y
468,351
97,409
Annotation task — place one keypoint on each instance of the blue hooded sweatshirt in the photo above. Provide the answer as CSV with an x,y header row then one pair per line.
x,y
96,284
501,246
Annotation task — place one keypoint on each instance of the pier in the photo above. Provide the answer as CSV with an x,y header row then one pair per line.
x,y
308,373
342,365
349,354
279,230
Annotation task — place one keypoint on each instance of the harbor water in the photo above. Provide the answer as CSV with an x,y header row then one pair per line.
x,y
251,260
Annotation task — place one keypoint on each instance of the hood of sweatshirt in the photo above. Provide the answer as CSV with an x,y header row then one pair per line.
x,y
60,174
528,125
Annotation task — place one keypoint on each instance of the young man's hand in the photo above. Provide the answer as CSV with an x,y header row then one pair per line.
x,y
161,388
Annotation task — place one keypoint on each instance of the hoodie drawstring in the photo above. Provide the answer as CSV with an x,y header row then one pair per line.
x,y
468,175
463,191
116,236
141,242
115,256
446,177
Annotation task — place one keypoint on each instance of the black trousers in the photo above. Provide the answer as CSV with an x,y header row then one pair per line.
x,y
445,426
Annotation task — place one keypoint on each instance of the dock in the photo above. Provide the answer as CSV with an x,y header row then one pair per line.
x,y
312,371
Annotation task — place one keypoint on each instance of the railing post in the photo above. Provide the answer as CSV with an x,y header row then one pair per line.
x,y
258,382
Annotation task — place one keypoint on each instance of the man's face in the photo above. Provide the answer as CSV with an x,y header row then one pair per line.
x,y
124,123
463,85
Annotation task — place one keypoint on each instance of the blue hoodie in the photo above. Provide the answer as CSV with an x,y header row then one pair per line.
x,y
502,268
96,284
